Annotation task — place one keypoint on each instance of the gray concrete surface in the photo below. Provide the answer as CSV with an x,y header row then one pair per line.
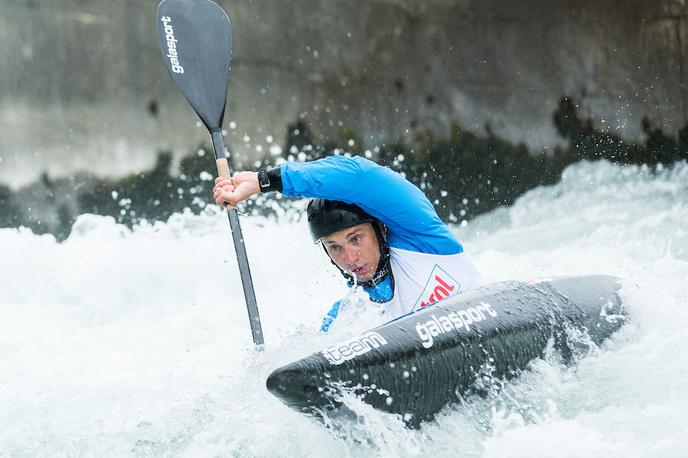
x,y
83,85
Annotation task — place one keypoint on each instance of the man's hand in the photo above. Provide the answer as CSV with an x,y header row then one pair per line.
x,y
236,189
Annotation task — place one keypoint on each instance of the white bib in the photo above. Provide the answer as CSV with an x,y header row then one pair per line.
x,y
422,279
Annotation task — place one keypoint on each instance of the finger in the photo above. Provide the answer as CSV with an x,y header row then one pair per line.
x,y
228,197
220,188
219,181
222,197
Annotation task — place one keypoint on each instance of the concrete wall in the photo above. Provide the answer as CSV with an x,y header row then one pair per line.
x,y
82,84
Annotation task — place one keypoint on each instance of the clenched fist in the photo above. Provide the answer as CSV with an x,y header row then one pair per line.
x,y
236,189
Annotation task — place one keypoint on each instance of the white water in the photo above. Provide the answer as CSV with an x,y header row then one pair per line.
x,y
121,343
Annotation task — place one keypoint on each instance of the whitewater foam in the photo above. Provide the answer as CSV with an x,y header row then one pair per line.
x,y
136,342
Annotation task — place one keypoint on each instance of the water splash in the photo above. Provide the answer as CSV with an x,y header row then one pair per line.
x,y
136,342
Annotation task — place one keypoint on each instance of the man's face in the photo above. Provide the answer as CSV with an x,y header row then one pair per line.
x,y
355,250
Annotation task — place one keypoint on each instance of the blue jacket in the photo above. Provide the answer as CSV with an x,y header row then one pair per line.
x,y
411,220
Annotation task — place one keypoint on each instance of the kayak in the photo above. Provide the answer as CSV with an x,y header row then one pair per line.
x,y
417,364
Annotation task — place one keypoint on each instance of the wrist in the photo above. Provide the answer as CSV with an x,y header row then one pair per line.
x,y
270,180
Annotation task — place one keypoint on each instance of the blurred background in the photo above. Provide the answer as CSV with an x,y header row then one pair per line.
x,y
475,101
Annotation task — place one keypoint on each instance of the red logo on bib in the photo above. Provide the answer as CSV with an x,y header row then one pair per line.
x,y
440,286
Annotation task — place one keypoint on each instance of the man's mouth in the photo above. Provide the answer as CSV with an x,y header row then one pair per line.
x,y
358,271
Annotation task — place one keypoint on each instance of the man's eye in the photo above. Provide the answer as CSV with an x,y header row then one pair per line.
x,y
355,239
334,248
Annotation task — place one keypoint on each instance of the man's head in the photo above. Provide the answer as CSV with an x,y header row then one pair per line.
x,y
354,240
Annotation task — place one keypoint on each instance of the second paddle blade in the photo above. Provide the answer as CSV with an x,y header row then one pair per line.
x,y
195,39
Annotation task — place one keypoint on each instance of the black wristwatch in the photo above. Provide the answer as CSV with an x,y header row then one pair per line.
x,y
270,180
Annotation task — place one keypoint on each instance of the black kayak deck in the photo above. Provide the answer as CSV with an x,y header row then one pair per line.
x,y
417,364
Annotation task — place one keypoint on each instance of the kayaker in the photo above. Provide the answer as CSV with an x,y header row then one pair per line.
x,y
377,228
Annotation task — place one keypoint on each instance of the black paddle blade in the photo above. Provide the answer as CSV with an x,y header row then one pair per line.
x,y
196,44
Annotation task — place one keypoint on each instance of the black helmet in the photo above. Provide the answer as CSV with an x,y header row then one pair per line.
x,y
326,217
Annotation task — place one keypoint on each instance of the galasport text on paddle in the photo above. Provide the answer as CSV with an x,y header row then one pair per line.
x,y
196,44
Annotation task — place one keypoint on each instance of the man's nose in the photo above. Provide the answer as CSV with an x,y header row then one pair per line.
x,y
352,255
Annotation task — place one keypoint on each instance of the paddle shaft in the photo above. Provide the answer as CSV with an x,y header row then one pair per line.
x,y
239,247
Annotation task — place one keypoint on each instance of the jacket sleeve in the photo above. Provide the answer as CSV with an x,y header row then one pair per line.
x,y
329,318
411,220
